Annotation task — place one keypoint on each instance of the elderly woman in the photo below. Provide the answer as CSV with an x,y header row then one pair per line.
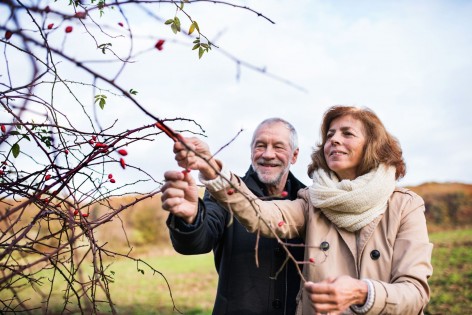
x,y
366,242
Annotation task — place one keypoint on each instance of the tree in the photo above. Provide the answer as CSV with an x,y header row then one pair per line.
x,y
59,152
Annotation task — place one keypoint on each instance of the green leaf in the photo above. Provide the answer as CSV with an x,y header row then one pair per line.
x,y
174,28
102,103
177,23
196,46
26,137
14,132
133,91
169,21
15,149
200,53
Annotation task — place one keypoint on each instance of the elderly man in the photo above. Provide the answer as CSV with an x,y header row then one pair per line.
x,y
199,226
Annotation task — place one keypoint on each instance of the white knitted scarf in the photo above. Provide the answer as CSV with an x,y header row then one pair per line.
x,y
352,204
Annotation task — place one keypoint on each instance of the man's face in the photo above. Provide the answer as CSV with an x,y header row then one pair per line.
x,y
272,154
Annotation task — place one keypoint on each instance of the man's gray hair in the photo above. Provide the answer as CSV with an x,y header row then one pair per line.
x,y
275,120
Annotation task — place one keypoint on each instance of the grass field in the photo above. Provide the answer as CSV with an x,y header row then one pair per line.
x,y
192,280
451,283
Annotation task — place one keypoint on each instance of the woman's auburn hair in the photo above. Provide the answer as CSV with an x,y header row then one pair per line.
x,y
380,146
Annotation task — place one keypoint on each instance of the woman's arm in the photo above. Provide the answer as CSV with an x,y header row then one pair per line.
x,y
282,217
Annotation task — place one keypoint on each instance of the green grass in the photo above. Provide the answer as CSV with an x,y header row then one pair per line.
x,y
193,280
451,282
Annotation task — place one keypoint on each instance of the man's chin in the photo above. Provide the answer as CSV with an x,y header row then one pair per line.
x,y
268,179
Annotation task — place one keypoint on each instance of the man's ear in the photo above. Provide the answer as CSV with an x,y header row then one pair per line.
x,y
295,156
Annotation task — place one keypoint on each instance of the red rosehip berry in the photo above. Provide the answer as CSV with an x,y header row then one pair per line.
x,y
122,163
284,194
186,171
4,129
69,29
110,176
123,152
281,223
230,191
81,15
94,138
112,180
312,260
47,177
2,172
120,24
160,44
101,145
66,151
8,35
50,26
47,9
76,212
85,215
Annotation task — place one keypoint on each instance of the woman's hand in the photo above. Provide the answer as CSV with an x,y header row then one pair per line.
x,y
193,153
334,295
180,195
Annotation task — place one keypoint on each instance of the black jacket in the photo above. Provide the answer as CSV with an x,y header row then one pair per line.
x,y
243,289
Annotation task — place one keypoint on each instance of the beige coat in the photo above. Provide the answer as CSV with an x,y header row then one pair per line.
x,y
400,236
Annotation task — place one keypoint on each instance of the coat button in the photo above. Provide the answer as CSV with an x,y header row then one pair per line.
x,y
276,304
324,246
375,254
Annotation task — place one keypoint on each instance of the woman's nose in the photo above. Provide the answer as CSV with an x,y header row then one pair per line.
x,y
335,139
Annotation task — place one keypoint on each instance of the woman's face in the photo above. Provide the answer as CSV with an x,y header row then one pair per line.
x,y
344,146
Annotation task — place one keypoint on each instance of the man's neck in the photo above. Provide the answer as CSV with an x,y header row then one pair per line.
x,y
273,190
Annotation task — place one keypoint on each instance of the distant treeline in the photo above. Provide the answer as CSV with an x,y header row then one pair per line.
x,y
448,205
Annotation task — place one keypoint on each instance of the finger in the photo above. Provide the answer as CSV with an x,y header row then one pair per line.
x,y
171,204
188,178
184,144
173,176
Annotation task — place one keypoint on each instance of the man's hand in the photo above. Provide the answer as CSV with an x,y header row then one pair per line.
x,y
334,295
193,153
180,195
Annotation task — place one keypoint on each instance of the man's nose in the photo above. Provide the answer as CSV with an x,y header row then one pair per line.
x,y
269,153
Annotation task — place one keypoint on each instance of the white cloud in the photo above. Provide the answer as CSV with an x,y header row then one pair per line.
x,y
408,61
